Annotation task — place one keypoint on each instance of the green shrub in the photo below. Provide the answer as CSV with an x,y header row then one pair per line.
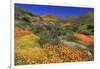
x,y
27,19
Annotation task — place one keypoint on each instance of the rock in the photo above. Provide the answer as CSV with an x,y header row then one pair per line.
x,y
73,44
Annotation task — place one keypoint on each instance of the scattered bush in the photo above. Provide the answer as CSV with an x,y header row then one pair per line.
x,y
40,41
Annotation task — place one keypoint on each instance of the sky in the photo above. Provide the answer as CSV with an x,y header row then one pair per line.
x,y
59,11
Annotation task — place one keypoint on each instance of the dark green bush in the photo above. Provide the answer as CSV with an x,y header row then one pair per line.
x,y
27,19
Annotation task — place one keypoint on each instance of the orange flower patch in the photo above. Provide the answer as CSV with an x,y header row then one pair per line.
x,y
20,32
61,54
83,38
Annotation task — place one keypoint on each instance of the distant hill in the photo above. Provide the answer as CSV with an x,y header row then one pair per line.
x,y
82,24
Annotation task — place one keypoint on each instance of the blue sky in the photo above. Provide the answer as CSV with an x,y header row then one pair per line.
x,y
59,11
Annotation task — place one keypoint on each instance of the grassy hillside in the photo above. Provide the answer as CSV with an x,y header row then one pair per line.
x,y
50,39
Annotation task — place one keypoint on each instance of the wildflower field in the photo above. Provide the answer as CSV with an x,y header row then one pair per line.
x,y
45,39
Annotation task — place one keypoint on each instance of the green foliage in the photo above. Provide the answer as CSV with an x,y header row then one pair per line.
x,y
27,19
37,28
85,24
49,39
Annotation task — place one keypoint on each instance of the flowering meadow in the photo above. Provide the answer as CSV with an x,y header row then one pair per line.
x,y
45,39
